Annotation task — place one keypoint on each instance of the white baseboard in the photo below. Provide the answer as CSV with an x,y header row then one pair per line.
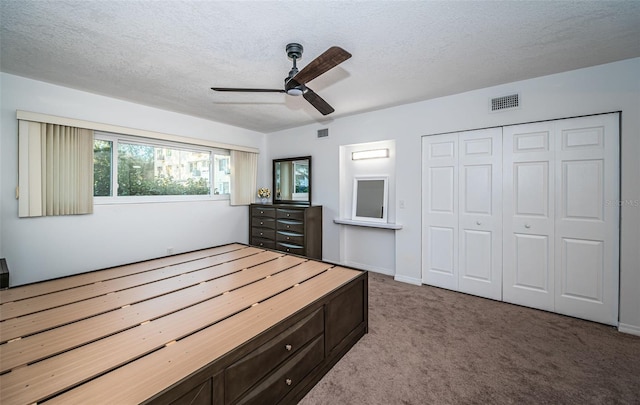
x,y
381,270
632,329
409,280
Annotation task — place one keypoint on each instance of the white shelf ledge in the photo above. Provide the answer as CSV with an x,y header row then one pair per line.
x,y
383,225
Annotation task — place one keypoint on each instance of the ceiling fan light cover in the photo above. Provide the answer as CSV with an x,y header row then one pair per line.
x,y
294,91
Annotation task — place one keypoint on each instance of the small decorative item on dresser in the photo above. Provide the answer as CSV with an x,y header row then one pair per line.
x,y
264,194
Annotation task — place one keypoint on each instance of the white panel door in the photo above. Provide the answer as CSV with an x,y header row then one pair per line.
x,y
440,210
480,214
528,215
586,229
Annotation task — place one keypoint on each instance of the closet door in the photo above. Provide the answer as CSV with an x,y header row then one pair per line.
x,y
440,210
561,231
587,217
528,215
480,214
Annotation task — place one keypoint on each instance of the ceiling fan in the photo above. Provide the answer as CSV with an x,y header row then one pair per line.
x,y
295,82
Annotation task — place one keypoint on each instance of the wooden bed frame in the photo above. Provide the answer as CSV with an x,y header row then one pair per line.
x,y
231,324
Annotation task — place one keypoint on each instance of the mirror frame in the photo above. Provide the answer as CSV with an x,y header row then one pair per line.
x,y
273,178
385,199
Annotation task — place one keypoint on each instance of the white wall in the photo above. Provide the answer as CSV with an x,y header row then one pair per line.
x,y
606,88
47,247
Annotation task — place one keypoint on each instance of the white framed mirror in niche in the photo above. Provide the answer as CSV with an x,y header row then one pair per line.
x,y
370,198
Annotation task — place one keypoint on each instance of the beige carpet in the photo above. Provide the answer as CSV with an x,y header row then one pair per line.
x,y
432,346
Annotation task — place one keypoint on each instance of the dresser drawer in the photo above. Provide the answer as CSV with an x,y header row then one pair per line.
x,y
290,214
272,389
290,248
265,243
263,212
288,237
264,222
292,226
263,233
246,372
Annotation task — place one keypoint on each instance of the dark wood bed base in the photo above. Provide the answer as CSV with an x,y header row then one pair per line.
x,y
227,325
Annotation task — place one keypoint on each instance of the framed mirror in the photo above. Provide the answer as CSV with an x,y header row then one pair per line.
x,y
292,180
370,196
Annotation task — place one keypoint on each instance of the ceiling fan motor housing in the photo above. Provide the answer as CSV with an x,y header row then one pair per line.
x,y
294,51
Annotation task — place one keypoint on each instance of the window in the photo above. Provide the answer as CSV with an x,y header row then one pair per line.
x,y
130,169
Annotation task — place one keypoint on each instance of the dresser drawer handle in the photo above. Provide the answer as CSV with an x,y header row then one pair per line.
x,y
288,227
261,223
288,238
288,347
261,234
288,250
288,215
288,381
262,212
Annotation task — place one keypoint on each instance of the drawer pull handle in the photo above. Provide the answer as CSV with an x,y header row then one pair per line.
x,y
527,226
288,381
262,212
288,238
288,215
288,227
478,223
288,347
261,223
287,249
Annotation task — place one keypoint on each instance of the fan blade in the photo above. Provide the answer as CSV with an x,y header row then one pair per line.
x,y
331,58
318,102
248,90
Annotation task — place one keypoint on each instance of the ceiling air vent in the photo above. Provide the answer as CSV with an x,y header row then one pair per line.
x,y
505,102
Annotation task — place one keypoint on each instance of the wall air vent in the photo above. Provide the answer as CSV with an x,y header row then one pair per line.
x,y
323,132
505,102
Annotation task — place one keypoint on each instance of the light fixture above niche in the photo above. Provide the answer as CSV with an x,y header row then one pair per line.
x,y
370,154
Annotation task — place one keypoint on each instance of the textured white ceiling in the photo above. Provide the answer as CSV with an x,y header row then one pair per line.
x,y
168,54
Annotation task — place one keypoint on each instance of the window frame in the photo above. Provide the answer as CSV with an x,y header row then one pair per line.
x,y
115,138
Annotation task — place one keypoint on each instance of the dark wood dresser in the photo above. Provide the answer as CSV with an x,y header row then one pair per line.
x,y
293,229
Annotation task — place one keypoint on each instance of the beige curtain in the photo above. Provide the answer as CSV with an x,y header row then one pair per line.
x,y
55,170
244,177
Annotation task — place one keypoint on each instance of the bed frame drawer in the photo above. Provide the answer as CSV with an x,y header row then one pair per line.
x,y
273,388
243,374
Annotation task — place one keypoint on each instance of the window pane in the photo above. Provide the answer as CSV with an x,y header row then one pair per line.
x,y
102,158
148,170
221,176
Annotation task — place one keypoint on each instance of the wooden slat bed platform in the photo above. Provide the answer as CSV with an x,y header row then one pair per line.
x,y
146,331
